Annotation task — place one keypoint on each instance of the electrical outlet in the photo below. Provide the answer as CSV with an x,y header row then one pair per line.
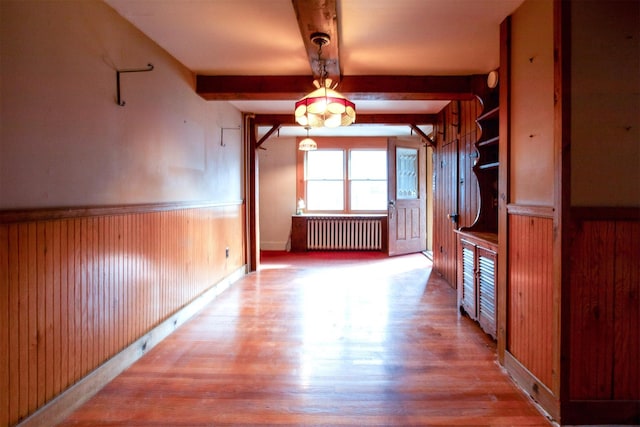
x,y
226,252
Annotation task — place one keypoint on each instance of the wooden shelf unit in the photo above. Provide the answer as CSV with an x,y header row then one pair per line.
x,y
478,244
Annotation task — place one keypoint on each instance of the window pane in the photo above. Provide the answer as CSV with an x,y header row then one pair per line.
x,y
368,195
406,173
325,164
368,164
325,195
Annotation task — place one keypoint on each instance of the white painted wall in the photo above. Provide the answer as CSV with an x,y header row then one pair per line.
x,y
277,182
64,142
532,108
605,103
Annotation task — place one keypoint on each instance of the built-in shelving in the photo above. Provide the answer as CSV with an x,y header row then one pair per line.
x,y
478,243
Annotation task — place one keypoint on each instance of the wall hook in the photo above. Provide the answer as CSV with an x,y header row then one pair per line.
x,y
130,70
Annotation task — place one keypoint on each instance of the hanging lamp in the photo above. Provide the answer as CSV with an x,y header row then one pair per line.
x,y
324,107
307,144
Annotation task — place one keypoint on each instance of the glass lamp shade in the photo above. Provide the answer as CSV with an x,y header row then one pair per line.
x,y
324,107
307,144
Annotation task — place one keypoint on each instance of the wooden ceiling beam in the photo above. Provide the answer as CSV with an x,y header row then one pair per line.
x,y
320,16
353,87
361,119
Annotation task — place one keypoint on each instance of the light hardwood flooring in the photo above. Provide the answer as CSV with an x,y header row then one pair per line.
x,y
324,339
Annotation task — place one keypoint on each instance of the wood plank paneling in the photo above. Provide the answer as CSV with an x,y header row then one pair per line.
x,y
456,185
74,291
626,343
4,324
468,189
592,311
605,311
530,294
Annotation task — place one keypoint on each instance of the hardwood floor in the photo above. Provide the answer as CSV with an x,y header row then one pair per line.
x,y
320,340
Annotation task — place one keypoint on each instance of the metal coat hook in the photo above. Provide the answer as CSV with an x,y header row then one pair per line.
x,y
222,144
131,70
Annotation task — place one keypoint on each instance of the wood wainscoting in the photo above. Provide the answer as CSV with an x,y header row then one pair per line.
x,y
530,348
77,286
604,331
574,346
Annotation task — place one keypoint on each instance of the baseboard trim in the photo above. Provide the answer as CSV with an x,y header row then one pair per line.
x,y
62,406
528,382
273,246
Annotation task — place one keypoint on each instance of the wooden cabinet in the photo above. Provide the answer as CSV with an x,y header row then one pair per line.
x,y
477,269
478,243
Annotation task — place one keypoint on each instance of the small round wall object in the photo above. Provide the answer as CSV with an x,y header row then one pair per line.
x,y
492,79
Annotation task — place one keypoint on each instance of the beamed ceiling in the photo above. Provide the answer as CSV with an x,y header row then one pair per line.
x,y
400,61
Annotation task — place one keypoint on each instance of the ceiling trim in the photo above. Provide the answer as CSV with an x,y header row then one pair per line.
x,y
361,119
271,88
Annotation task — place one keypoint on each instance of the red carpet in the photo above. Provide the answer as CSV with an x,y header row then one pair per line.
x,y
318,257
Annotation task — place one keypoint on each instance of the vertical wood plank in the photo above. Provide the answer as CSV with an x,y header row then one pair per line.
x,y
531,294
31,263
591,311
40,331
48,331
626,345
109,285
56,331
76,291
98,289
4,324
78,330
65,285
16,327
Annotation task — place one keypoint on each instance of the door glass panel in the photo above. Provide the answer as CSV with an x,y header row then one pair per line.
x,y
406,173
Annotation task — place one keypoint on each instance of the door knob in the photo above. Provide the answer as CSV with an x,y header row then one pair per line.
x,y
453,217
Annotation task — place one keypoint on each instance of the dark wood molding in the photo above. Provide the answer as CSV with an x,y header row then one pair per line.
x,y
504,148
252,231
361,119
601,412
354,87
46,214
532,386
526,210
605,213
425,138
562,255
266,136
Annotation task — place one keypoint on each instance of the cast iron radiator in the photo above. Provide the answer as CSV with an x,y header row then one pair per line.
x,y
344,233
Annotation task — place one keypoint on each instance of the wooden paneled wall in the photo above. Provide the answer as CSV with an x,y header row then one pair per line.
x,y
468,190
605,311
456,187
530,305
77,289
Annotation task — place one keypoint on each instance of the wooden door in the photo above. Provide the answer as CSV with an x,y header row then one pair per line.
x,y
407,212
445,219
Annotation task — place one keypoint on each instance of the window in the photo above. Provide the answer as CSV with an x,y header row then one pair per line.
x,y
325,180
345,180
368,180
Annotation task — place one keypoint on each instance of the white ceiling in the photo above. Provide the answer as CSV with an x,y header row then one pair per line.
x,y
377,37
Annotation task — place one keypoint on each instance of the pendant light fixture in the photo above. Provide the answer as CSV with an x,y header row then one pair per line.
x,y
307,144
324,107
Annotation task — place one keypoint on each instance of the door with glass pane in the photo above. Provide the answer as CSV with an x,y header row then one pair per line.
x,y
407,210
